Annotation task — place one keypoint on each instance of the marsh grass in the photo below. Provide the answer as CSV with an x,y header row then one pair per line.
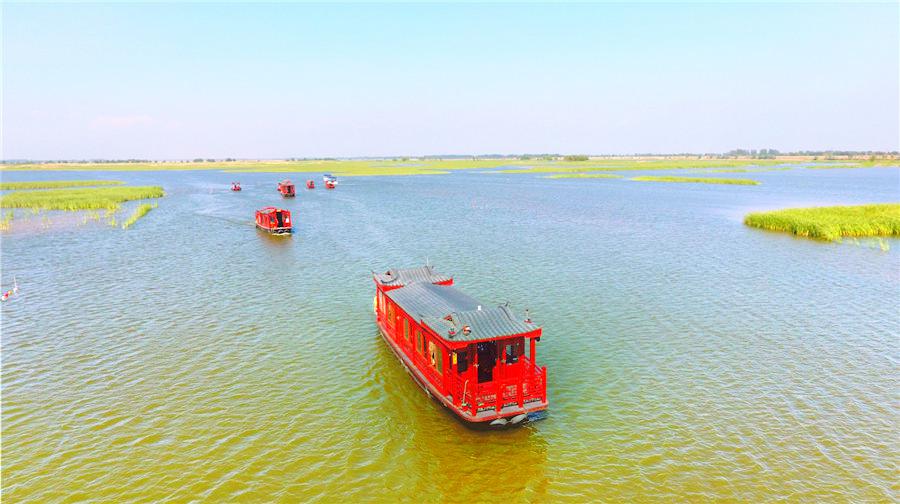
x,y
832,223
56,184
697,180
108,198
341,168
8,217
744,170
870,163
644,165
378,167
583,176
139,212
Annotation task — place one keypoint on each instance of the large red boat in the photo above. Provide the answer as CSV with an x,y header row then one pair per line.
x,y
286,188
274,220
469,356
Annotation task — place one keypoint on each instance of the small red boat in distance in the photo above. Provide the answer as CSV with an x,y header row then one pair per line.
x,y
274,220
330,184
310,184
235,186
286,188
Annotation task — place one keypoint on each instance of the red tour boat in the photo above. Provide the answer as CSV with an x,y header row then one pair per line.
x,y
310,184
330,184
274,220
235,186
469,356
286,188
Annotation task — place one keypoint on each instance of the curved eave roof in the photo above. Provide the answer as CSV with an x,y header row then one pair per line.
x,y
406,276
446,310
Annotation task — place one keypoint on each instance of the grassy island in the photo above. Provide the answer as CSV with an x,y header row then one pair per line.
x,y
79,199
139,212
831,223
412,166
56,184
697,180
583,175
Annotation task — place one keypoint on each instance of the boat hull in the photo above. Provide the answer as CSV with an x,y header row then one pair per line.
x,y
277,231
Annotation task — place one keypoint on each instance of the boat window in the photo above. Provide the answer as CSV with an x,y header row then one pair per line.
x,y
390,314
434,353
462,362
511,356
420,345
406,329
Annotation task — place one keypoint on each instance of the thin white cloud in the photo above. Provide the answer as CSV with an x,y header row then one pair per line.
x,y
120,122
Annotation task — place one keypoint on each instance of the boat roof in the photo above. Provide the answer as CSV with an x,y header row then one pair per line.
x,y
446,310
406,276
270,209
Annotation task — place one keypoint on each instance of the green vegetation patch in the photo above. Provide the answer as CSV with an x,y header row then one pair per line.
x,y
619,164
56,184
583,175
7,220
79,199
341,168
831,223
139,212
870,163
373,168
744,170
698,180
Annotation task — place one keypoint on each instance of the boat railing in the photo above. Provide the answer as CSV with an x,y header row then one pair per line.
x,y
524,387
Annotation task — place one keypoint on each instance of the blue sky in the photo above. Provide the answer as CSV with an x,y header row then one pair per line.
x,y
169,81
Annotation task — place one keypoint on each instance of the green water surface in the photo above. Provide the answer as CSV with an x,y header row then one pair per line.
x,y
690,358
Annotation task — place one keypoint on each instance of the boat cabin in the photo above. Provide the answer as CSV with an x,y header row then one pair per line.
x,y
310,184
274,220
235,186
477,360
286,188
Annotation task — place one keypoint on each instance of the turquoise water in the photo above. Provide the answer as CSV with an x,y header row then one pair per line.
x,y
689,357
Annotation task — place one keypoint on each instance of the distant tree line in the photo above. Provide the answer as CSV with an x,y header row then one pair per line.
x,y
734,153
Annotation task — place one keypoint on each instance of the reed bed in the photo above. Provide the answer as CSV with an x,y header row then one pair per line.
x,y
868,163
583,176
7,220
402,166
744,170
139,212
56,184
831,223
643,165
697,180
79,199
341,168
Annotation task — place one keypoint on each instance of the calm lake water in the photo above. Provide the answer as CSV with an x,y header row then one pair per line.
x,y
690,357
